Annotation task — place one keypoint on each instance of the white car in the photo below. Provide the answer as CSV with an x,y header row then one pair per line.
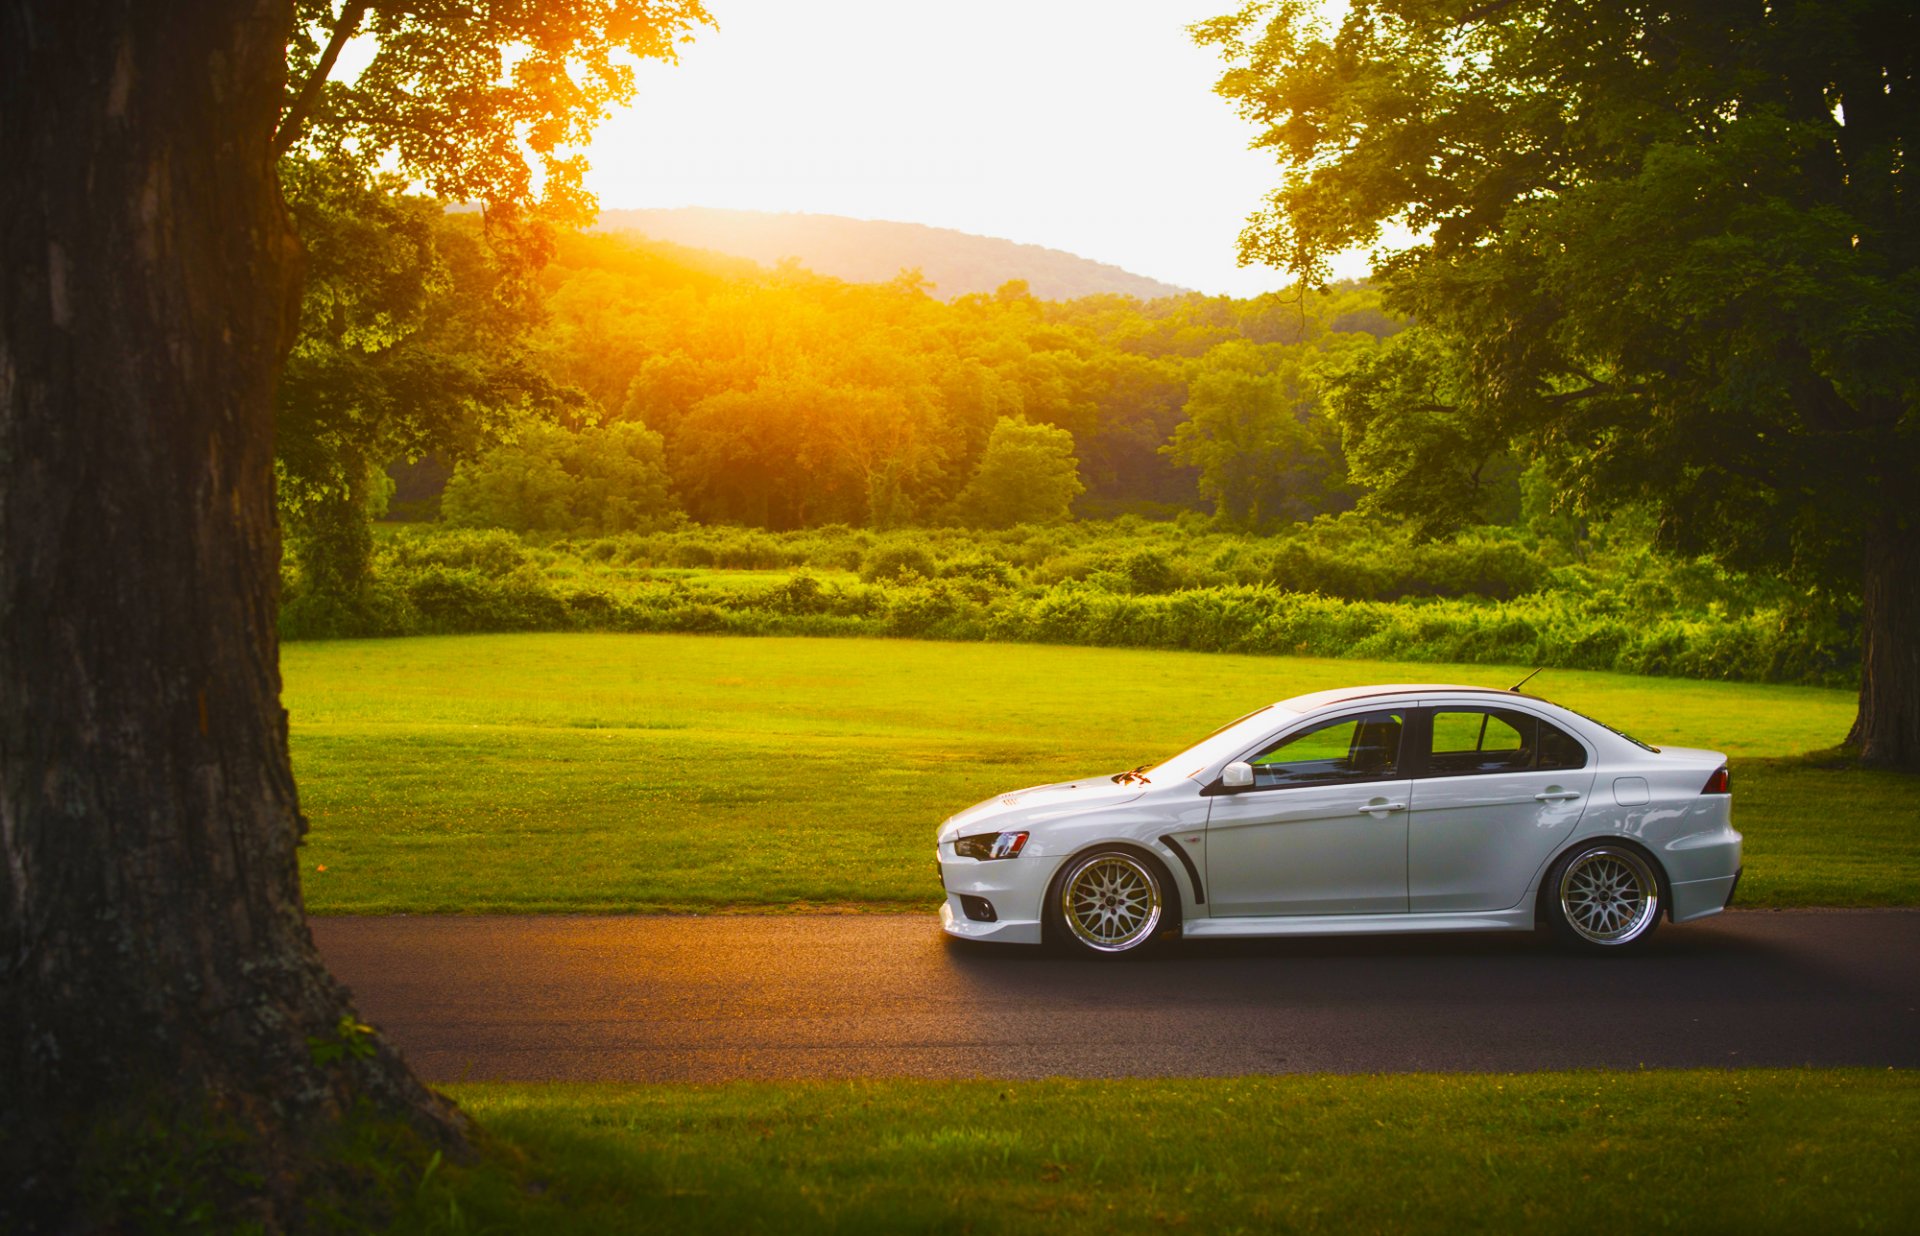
x,y
1364,810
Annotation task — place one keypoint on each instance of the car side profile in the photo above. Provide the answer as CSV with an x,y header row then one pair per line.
x,y
1365,810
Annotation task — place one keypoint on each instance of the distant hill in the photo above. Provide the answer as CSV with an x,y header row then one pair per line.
x,y
866,251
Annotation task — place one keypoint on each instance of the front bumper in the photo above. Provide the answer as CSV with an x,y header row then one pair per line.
x,y
1016,887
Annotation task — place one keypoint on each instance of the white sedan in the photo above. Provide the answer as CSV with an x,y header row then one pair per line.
x,y
1364,810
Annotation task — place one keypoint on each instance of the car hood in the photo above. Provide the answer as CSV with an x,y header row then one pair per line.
x,y
1037,803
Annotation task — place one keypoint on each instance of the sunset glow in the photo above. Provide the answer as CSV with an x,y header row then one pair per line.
x,y
1083,126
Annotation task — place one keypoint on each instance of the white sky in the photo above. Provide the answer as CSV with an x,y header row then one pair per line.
x,y
1085,126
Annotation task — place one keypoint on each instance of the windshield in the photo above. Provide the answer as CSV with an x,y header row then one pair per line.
x,y
1229,739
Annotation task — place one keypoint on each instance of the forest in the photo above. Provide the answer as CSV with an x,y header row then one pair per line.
x,y
659,438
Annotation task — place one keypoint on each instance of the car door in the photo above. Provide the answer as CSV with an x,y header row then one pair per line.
x,y
1496,790
1322,830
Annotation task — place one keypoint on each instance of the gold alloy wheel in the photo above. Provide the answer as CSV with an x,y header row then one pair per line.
x,y
1111,902
1609,895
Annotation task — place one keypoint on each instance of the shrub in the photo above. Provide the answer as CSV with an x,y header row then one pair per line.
x,y
1096,585
610,478
898,560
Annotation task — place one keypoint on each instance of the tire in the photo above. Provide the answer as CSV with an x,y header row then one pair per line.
x,y
1109,902
1604,897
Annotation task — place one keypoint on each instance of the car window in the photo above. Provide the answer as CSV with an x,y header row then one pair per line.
x,y
1363,748
1491,740
1559,749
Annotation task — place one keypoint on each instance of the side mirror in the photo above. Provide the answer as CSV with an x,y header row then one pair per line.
x,y
1236,776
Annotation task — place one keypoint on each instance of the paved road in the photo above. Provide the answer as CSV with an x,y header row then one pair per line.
x,y
707,999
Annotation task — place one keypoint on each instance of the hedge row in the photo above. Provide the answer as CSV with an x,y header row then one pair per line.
x,y
489,582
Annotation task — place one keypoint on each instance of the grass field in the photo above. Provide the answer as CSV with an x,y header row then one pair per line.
x,y
1769,1151
655,772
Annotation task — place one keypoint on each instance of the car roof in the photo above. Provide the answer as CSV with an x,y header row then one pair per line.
x,y
1341,695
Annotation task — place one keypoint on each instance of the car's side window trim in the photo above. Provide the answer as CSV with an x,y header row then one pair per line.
x,y
1420,733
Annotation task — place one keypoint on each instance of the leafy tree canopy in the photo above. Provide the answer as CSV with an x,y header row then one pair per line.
x,y
602,479
491,102
1027,475
1666,247
412,338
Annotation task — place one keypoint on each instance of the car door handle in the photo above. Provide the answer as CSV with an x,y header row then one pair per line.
x,y
1370,808
1556,796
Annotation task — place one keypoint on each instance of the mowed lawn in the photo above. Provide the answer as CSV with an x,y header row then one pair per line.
x,y
581,772
1762,1151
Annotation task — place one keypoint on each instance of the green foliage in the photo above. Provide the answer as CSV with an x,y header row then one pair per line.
x,y
1027,475
1666,248
412,324
787,400
1256,431
1337,587
350,1040
601,479
411,339
898,559
480,104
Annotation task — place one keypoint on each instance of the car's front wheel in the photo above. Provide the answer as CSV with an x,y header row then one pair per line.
x,y
1109,902
1603,898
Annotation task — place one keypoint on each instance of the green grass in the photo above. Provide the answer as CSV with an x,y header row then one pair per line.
x,y
654,772
1548,1152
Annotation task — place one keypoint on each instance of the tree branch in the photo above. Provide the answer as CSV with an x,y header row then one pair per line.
x,y
1596,389
295,117
1493,8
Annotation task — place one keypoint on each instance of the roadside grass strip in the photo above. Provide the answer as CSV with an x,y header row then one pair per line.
x,y
644,773
1762,1151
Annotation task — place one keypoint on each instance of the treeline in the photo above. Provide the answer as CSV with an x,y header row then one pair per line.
x,y
627,423
786,400
1345,587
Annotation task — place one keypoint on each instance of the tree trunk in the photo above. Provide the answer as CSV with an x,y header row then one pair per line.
x,y
1887,730
160,986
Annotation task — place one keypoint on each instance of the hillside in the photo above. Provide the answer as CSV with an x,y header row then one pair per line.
x,y
866,251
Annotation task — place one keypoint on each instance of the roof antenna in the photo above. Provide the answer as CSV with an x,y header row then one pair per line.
x,y
1515,688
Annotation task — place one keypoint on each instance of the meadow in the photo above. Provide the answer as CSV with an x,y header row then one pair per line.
x,y
647,773
1762,1150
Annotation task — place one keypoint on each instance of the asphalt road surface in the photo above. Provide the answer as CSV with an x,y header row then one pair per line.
x,y
716,998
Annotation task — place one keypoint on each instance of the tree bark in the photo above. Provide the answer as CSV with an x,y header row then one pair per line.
x,y
158,972
1887,729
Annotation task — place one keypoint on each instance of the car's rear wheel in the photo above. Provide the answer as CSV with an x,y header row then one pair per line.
x,y
1109,902
1603,898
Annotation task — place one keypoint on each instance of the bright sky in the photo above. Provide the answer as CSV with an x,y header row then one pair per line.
x,y
1080,125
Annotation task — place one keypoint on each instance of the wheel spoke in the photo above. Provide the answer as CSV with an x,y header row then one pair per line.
x,y
1111,903
1608,896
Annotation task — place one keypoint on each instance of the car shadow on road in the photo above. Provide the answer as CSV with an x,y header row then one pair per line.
x,y
1723,965
1665,944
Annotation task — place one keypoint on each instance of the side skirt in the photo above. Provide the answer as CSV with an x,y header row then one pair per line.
x,y
1518,919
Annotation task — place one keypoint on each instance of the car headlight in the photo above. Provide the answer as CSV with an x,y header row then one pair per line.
x,y
990,845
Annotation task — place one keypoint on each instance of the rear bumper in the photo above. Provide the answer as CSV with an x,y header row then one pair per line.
x,y
1699,898
1702,869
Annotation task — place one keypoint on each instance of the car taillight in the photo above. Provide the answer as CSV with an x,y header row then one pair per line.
x,y
1719,783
